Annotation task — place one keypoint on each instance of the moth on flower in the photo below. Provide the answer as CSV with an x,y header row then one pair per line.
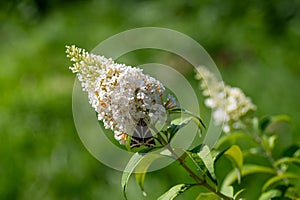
x,y
127,101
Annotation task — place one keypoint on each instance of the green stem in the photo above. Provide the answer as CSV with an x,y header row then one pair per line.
x,y
257,138
201,182
268,154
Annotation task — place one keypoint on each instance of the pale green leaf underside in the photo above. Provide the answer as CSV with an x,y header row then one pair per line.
x,y
131,165
174,192
143,166
206,157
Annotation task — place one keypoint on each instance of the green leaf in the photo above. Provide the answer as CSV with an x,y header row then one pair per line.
x,y
287,160
207,196
269,141
204,164
264,122
142,167
279,178
166,152
267,121
206,157
176,125
181,121
218,154
269,195
197,161
197,119
235,155
232,138
133,162
238,193
174,191
291,151
246,170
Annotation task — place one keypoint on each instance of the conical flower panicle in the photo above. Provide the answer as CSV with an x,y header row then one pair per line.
x,y
120,94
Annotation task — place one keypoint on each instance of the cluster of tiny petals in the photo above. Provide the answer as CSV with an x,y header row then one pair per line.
x,y
229,104
120,94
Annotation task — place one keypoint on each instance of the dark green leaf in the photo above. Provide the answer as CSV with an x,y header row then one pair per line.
x,y
207,196
264,122
197,161
267,121
133,162
290,151
218,154
197,149
282,198
176,125
174,192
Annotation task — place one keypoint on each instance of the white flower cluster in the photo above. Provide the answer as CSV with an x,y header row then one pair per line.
x,y
229,104
120,94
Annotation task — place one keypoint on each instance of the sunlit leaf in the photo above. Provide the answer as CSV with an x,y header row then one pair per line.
x,y
271,141
227,190
142,167
235,155
238,193
207,196
133,162
279,178
269,194
174,192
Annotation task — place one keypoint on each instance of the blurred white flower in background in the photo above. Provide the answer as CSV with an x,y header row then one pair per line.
x,y
120,94
229,104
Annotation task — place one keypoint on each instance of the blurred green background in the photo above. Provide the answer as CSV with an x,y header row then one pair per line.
x,y
255,44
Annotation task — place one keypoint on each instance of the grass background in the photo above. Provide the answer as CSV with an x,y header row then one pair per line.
x,y
255,44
